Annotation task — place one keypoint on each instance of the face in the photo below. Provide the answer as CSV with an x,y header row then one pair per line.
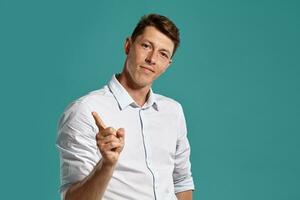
x,y
147,57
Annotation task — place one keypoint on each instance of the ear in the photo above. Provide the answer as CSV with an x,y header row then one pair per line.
x,y
127,45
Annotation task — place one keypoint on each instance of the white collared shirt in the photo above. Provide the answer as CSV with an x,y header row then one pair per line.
x,y
154,163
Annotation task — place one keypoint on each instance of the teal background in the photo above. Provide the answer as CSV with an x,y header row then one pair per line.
x,y
236,74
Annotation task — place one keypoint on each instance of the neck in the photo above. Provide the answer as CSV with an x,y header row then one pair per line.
x,y
139,94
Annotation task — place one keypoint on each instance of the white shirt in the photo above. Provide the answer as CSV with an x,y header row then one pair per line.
x,y
154,163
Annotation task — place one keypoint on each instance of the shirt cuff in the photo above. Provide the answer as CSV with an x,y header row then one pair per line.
x,y
184,185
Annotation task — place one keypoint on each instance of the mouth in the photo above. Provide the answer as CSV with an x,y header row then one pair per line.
x,y
147,69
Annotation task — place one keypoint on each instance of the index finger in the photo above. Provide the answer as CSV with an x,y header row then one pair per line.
x,y
98,121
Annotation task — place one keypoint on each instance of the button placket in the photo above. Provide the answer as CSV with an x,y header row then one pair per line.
x,y
148,149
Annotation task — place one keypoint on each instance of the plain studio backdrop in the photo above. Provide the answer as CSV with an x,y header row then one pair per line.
x,y
236,73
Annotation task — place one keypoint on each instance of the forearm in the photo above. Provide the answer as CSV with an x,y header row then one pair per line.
x,y
186,195
93,186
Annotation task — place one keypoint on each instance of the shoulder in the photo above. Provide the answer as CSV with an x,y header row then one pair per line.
x,y
95,96
83,106
91,99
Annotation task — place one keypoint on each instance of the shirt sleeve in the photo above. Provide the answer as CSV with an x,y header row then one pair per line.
x,y
182,174
76,144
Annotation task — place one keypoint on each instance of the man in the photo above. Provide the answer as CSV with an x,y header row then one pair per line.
x,y
97,162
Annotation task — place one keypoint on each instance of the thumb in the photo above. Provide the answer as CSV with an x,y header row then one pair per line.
x,y
121,133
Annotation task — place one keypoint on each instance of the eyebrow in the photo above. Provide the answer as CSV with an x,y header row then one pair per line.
x,y
163,49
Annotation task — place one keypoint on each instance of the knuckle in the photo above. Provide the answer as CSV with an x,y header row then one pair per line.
x,y
110,137
110,130
102,146
99,138
102,132
112,144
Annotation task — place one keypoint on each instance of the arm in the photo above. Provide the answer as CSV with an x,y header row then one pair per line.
x,y
110,143
93,186
182,175
186,195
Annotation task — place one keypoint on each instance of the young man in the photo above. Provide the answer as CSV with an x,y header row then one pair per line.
x,y
97,162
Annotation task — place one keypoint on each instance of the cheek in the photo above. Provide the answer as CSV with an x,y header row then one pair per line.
x,y
137,58
140,55
132,60
159,72
140,58
163,69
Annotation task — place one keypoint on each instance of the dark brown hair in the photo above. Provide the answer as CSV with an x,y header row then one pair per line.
x,y
161,23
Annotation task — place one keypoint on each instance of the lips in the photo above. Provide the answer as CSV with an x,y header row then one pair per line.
x,y
148,68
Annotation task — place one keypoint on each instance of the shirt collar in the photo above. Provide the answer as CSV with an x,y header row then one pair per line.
x,y
124,99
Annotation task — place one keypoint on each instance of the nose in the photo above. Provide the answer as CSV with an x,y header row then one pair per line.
x,y
151,58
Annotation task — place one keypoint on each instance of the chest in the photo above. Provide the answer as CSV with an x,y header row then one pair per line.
x,y
149,135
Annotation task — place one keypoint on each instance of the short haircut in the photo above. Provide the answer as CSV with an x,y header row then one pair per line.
x,y
161,23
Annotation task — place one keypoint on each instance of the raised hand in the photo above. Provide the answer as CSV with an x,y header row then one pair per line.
x,y
109,141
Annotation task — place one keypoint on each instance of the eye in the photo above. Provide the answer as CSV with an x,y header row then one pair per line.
x,y
145,45
164,55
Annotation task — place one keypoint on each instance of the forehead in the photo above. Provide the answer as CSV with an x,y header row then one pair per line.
x,y
156,37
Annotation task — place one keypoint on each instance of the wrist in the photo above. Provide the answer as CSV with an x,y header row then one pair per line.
x,y
105,166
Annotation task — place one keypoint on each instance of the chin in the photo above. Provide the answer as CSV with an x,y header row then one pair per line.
x,y
143,82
